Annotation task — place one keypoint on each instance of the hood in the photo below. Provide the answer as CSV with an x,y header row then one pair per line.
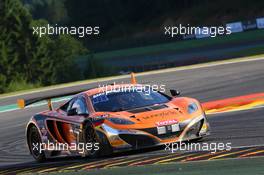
x,y
160,114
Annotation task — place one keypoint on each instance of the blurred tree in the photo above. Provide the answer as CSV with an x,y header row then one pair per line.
x,y
18,45
59,63
25,57
52,10
64,51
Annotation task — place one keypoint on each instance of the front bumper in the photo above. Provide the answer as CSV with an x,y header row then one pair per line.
x,y
141,138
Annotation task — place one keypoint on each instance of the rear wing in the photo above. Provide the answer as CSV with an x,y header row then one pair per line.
x,y
22,103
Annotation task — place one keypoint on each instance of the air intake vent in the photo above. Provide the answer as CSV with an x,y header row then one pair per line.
x,y
178,109
158,107
150,108
139,110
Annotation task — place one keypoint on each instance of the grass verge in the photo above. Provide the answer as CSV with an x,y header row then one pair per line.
x,y
241,166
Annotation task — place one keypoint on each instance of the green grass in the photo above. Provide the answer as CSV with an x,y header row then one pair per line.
x,y
250,51
35,88
19,85
241,166
183,45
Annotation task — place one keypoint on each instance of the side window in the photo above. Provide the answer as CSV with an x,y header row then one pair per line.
x,y
80,105
65,107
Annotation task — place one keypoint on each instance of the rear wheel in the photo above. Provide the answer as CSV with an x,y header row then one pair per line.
x,y
34,142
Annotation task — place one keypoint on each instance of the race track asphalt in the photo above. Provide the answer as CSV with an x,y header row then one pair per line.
x,y
243,128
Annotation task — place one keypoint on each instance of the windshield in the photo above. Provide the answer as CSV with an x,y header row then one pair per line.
x,y
121,101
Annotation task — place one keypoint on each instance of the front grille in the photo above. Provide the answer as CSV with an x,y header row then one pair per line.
x,y
137,140
168,135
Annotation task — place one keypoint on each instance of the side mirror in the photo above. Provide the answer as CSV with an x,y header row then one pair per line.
x,y
174,92
72,111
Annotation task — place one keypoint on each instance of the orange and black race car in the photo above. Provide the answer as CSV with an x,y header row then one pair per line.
x,y
98,122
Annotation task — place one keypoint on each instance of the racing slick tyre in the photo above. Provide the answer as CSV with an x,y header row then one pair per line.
x,y
94,137
34,142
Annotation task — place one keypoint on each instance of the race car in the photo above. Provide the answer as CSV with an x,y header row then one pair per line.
x,y
100,122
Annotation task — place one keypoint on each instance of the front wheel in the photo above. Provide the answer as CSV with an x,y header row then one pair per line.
x,y
93,137
34,142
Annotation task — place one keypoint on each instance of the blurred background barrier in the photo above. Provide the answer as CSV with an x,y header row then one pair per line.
x,y
182,53
199,48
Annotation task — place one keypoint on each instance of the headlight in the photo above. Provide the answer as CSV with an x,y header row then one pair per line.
x,y
120,121
192,108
